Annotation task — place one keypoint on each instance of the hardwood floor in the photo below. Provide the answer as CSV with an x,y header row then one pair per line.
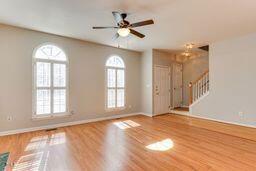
x,y
164,142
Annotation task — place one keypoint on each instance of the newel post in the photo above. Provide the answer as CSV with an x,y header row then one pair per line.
x,y
190,93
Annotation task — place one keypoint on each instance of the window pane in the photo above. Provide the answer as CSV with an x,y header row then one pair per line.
x,y
43,75
111,98
111,78
57,54
59,101
115,61
120,98
59,75
43,102
120,78
50,52
41,54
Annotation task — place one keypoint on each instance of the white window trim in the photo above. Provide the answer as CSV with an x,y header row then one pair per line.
x,y
34,80
116,88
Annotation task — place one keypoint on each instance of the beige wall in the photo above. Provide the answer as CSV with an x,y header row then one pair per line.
x,y
146,83
87,77
232,65
193,69
163,58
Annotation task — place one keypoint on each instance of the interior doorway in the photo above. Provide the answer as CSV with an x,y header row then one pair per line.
x,y
177,85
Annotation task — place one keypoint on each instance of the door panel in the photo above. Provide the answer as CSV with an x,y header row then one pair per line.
x,y
161,90
177,85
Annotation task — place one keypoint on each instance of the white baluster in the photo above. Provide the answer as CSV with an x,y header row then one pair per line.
x,y
194,92
208,81
197,89
204,83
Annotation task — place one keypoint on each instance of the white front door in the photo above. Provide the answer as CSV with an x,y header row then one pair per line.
x,y
177,85
161,89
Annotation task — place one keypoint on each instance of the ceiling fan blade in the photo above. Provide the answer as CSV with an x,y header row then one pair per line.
x,y
103,27
142,23
118,17
137,33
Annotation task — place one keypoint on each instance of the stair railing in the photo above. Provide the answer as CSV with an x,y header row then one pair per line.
x,y
199,87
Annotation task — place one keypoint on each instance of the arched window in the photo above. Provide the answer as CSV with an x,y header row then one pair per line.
x,y
115,73
50,65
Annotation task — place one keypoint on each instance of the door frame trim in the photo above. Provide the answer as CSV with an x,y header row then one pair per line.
x,y
173,84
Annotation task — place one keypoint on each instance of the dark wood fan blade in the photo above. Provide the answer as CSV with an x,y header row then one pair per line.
x,y
142,23
137,33
103,27
118,17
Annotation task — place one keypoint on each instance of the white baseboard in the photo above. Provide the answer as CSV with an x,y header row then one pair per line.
x,y
18,131
147,114
217,120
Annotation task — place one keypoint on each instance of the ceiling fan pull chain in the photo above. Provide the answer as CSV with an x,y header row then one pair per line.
x,y
127,42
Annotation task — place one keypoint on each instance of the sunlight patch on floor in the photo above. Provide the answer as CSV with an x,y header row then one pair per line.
x,y
163,145
126,124
29,162
58,138
37,143
37,152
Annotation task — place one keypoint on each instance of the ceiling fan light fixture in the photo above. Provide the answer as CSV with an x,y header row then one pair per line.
x,y
186,54
189,46
123,32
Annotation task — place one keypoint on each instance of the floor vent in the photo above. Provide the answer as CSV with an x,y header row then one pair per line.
x,y
53,129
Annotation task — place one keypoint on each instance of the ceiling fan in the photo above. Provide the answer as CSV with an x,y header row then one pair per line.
x,y
124,27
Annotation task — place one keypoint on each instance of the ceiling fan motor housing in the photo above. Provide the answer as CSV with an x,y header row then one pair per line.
x,y
123,24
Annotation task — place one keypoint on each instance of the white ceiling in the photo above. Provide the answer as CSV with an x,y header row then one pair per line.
x,y
176,21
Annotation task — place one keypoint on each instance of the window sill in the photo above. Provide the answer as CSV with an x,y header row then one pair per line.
x,y
51,116
115,109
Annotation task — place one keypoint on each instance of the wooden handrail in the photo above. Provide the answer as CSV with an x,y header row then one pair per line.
x,y
199,78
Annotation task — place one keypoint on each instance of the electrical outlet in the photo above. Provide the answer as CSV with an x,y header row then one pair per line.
x,y
241,114
9,118
130,106
72,112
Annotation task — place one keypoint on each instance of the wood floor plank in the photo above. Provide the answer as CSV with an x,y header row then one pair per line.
x,y
166,142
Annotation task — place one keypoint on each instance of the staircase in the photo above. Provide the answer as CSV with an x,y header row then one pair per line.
x,y
199,88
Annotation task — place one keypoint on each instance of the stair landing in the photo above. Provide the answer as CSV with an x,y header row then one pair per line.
x,y
181,110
